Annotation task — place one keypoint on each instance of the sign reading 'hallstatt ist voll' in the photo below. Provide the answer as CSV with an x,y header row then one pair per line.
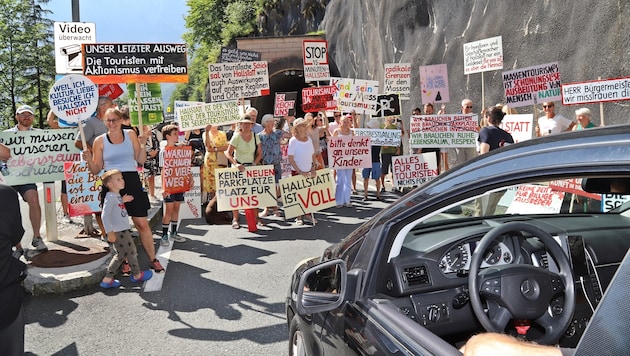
x,y
135,62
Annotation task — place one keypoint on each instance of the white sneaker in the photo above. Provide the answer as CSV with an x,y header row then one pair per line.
x,y
67,219
177,238
39,244
164,241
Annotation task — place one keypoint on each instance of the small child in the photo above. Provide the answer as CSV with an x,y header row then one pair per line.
x,y
116,222
170,133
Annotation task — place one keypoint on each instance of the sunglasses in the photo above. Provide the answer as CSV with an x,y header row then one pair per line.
x,y
469,107
547,106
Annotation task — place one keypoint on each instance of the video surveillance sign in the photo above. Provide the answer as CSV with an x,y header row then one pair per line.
x,y
68,39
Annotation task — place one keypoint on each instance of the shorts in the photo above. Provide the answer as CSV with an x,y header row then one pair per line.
x,y
277,171
171,198
375,170
386,158
63,187
139,206
23,188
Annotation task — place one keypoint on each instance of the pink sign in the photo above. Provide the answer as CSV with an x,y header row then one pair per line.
x,y
434,84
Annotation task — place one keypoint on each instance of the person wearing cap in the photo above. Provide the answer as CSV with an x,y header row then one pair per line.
x,y
302,155
24,116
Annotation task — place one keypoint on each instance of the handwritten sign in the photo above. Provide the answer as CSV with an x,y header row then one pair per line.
x,y
434,84
532,85
83,189
596,91
232,81
176,175
199,116
520,126
380,137
231,55
319,99
301,195
443,131
315,60
398,79
284,105
414,170
253,188
106,63
483,55
38,155
355,94
349,152
536,199
284,162
151,99
191,207
73,98
387,105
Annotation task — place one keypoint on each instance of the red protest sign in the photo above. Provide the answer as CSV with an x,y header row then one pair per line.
x,y
319,99
176,173
111,91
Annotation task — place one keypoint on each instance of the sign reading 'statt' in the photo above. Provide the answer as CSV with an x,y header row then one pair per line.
x,y
253,188
302,195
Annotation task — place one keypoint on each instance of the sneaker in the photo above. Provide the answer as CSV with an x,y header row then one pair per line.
x,y
113,284
67,220
156,266
164,241
144,276
17,253
299,222
383,190
126,269
348,205
39,244
177,237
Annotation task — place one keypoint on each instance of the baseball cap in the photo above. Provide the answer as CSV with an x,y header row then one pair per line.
x,y
25,108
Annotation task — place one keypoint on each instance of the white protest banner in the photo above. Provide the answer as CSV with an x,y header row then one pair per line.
x,y
536,199
253,188
483,55
301,195
355,94
83,189
573,186
434,84
613,201
596,91
414,170
238,55
191,207
315,60
380,137
443,131
68,39
183,104
398,79
199,116
284,104
520,126
233,81
387,105
349,152
73,98
319,99
38,155
532,85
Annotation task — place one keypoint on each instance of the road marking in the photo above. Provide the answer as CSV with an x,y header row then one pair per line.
x,y
163,254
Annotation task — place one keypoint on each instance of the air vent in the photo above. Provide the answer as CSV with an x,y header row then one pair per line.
x,y
544,260
416,275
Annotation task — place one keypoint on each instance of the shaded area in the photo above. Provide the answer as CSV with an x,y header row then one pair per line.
x,y
59,258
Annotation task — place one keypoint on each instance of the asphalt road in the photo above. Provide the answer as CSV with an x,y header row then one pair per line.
x,y
223,294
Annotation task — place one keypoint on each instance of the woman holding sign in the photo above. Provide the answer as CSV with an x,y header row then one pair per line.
x,y
302,155
344,176
124,150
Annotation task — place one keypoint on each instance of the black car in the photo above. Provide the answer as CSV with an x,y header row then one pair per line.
x,y
524,239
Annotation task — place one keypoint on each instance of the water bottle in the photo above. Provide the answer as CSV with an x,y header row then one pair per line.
x,y
4,168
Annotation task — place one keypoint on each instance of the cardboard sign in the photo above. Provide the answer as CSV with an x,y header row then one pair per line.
x,y
536,199
380,137
443,131
319,99
398,79
83,189
199,116
106,63
349,152
315,60
284,105
573,186
38,155
231,55
483,55
232,81
253,188
532,85
68,39
191,207
301,195
520,126
387,105
73,98
596,91
434,84
355,94
176,174
151,99
414,170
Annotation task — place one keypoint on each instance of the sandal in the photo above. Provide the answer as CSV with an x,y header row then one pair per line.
x,y
235,225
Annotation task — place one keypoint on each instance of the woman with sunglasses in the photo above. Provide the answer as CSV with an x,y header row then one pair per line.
x,y
552,123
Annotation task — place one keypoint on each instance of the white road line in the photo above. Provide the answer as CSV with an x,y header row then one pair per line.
x,y
163,254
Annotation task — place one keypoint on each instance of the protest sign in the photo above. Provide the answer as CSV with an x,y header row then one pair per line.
x,y
284,105
73,98
398,79
301,195
319,99
253,188
434,84
536,199
232,81
284,162
191,207
483,55
355,94
613,201
151,98
182,104
349,152
520,126
106,63
111,91
68,39
231,55
38,155
176,176
387,105
414,170
443,131
83,189
573,186
199,116
380,137
315,60
532,85
596,91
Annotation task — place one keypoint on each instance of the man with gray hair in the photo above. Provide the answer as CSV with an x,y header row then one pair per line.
x,y
252,112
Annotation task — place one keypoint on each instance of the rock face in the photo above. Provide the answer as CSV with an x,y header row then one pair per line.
x,y
588,39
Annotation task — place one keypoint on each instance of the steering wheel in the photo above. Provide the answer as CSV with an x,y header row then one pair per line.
x,y
522,291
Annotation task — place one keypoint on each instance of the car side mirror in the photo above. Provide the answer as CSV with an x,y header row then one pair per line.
x,y
322,287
